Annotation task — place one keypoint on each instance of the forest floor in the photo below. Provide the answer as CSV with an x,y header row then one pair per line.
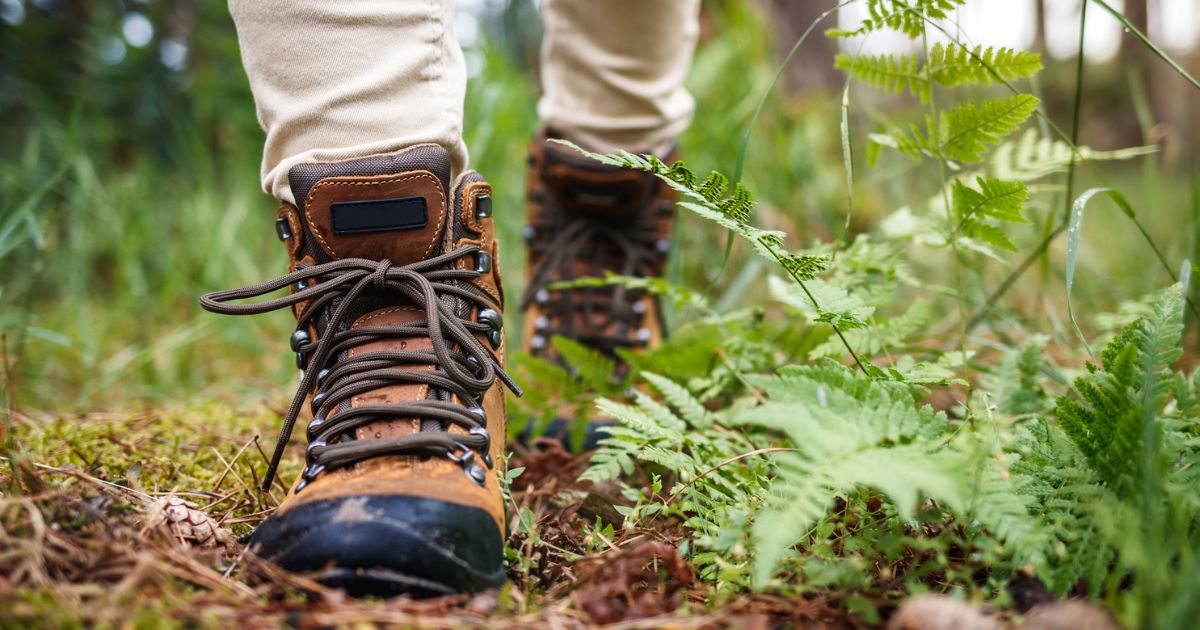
x,y
79,549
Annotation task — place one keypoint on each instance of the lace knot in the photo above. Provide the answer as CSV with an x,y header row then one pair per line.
x,y
379,276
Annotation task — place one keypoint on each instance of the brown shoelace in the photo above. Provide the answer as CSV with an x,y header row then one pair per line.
x,y
588,314
463,366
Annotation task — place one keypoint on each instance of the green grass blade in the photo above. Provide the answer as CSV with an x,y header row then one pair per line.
x,y
1074,230
1141,37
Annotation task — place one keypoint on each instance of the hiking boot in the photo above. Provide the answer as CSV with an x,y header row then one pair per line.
x,y
588,220
399,336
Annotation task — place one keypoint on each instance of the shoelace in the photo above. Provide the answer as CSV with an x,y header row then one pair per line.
x,y
463,366
598,308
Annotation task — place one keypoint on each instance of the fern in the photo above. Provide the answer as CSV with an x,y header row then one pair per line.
x,y
848,432
956,65
948,66
1114,482
1015,382
996,200
1120,399
709,200
887,72
966,130
1032,157
906,16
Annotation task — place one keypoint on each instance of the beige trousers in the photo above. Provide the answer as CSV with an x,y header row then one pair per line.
x,y
336,79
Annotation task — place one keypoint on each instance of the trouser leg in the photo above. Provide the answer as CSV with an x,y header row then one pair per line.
x,y
338,79
613,71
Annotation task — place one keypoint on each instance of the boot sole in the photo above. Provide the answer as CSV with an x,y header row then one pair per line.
x,y
386,545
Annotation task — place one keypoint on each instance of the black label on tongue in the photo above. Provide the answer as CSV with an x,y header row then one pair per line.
x,y
379,215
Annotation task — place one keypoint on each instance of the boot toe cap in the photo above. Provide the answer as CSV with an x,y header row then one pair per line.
x,y
386,545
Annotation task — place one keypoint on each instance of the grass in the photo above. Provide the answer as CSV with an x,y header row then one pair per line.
x,y
119,390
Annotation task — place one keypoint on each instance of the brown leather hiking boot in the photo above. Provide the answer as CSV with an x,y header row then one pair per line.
x,y
586,220
399,335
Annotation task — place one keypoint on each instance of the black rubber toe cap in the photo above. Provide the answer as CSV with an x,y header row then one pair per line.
x,y
387,545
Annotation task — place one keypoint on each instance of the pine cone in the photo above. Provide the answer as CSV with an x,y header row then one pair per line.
x,y
187,523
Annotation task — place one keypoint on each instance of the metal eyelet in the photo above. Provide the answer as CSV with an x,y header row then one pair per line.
x,y
466,459
644,335
529,233
662,245
476,366
282,229
487,438
537,342
477,473
308,452
316,423
316,401
541,323
300,359
495,322
638,307
483,262
321,376
491,317
299,339
299,286
309,473
483,206
478,412
541,296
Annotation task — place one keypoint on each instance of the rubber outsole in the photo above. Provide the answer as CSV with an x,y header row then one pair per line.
x,y
386,545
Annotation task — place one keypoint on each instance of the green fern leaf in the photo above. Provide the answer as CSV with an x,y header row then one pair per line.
x,y
955,65
1033,157
887,72
948,65
965,131
996,199
1119,400
681,399
905,16
591,367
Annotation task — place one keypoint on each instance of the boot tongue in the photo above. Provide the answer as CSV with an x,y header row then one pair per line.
x,y
594,189
387,206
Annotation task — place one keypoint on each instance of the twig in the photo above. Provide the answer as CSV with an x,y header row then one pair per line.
x,y
761,451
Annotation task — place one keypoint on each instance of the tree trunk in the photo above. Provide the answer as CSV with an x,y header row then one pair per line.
x,y
812,67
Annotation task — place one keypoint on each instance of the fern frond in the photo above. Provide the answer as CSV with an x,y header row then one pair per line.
x,y
965,131
1014,382
1119,400
948,66
690,409
955,65
592,368
996,199
828,303
1033,156
905,16
887,72
978,210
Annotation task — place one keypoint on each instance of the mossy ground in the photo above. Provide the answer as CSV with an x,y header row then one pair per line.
x,y
76,549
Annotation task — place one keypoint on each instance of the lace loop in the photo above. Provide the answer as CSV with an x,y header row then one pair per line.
x,y
462,366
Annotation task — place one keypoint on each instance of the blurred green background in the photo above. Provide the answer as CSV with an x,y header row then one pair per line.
x,y
129,161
